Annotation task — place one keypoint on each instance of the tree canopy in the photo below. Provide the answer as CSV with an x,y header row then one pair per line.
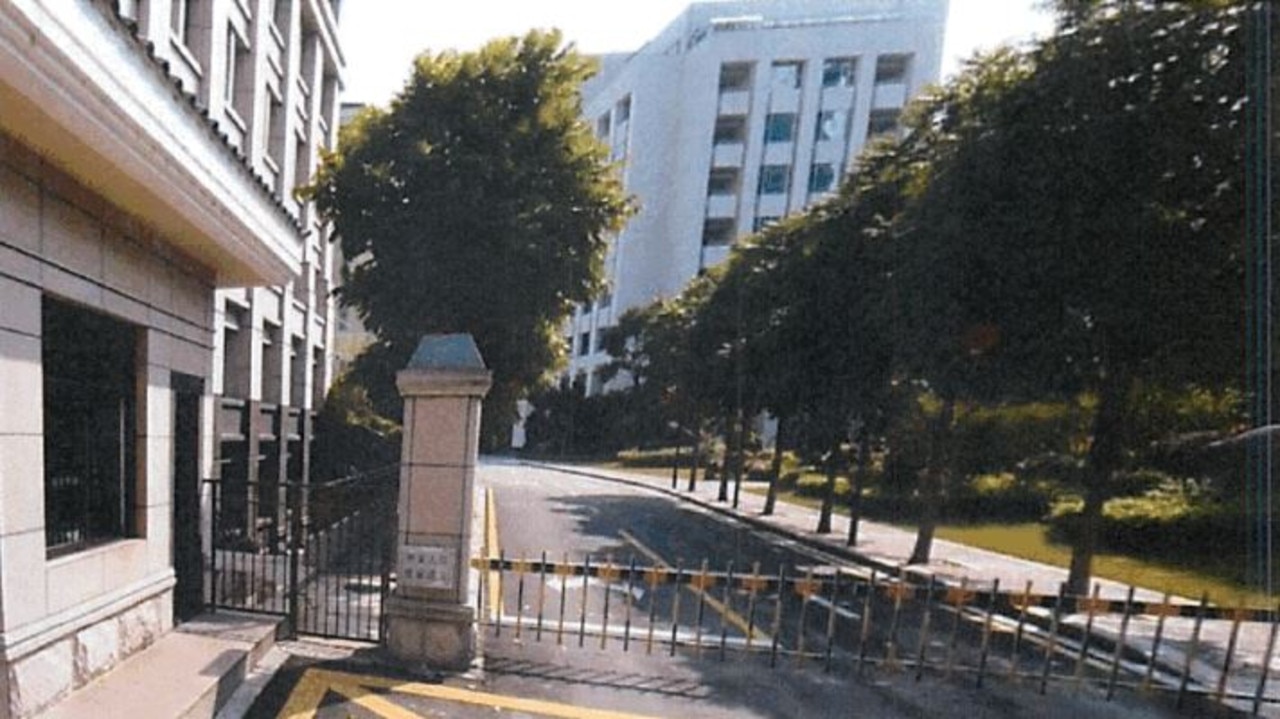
x,y
1062,223
1083,232
478,201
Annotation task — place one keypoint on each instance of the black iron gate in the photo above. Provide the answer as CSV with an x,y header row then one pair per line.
x,y
325,563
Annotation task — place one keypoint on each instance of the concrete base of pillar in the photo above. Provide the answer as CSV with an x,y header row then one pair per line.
x,y
439,636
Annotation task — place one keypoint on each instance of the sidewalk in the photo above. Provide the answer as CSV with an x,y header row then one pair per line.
x,y
886,548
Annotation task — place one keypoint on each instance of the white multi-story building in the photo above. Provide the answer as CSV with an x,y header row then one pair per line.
x,y
739,113
164,307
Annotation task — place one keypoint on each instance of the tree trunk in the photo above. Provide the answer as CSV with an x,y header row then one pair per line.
x,y
829,491
723,494
859,481
697,454
675,464
739,457
775,469
1104,457
931,486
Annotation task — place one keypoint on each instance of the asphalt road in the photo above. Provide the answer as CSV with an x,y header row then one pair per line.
x,y
600,655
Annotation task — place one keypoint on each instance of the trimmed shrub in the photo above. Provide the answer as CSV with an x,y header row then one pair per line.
x,y
814,485
1000,496
660,457
1168,520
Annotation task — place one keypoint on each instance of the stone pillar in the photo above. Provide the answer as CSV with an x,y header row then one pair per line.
x,y
429,618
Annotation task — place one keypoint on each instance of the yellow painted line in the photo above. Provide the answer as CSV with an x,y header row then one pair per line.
x,y
343,682
492,548
304,701
365,699
730,616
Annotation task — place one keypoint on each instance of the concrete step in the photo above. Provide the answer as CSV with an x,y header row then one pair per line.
x,y
188,674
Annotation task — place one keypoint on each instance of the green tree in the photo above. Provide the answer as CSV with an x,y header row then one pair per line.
x,y
658,349
1082,231
478,202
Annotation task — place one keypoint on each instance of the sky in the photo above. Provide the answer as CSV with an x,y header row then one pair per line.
x,y
380,38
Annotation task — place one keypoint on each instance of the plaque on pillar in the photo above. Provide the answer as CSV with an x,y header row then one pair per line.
x,y
430,619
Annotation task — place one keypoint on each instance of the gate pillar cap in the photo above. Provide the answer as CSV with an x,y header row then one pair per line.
x,y
445,364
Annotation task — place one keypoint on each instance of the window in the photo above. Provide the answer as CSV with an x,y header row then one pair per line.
x,y
883,121
775,179
603,127
584,344
780,127
186,18
239,87
301,163
839,71
623,110
822,177
606,301
90,410
764,221
723,181
830,125
892,68
280,16
717,232
275,130
735,76
180,13
787,74
730,129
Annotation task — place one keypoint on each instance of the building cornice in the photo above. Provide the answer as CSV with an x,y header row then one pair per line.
x,y
84,93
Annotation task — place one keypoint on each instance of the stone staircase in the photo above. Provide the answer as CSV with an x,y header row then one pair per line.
x,y
190,673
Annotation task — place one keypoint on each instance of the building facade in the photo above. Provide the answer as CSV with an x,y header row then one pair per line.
x,y
164,307
741,112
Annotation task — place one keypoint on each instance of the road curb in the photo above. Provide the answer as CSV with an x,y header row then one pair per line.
x,y
843,552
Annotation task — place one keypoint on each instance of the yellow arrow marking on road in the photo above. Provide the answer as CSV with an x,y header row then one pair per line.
x,y
358,689
730,616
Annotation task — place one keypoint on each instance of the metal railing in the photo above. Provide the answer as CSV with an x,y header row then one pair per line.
x,y
328,577
846,620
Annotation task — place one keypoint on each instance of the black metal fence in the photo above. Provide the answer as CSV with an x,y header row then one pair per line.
x,y
324,562
844,620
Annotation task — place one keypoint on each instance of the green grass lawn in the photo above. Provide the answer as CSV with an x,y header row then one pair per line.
x,y
1190,577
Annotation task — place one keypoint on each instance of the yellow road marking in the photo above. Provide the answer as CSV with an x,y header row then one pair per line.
x,y
730,616
305,698
357,694
356,689
491,546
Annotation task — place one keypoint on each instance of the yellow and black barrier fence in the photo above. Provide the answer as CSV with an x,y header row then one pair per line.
x,y
853,619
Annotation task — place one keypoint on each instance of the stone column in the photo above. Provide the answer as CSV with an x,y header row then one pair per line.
x,y
429,619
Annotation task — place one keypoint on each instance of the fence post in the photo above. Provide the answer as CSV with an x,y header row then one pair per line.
x,y
429,618
293,547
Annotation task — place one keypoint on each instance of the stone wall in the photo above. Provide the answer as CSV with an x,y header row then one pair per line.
x,y
64,620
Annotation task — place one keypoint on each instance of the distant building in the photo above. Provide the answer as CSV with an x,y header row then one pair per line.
x,y
735,115
164,308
